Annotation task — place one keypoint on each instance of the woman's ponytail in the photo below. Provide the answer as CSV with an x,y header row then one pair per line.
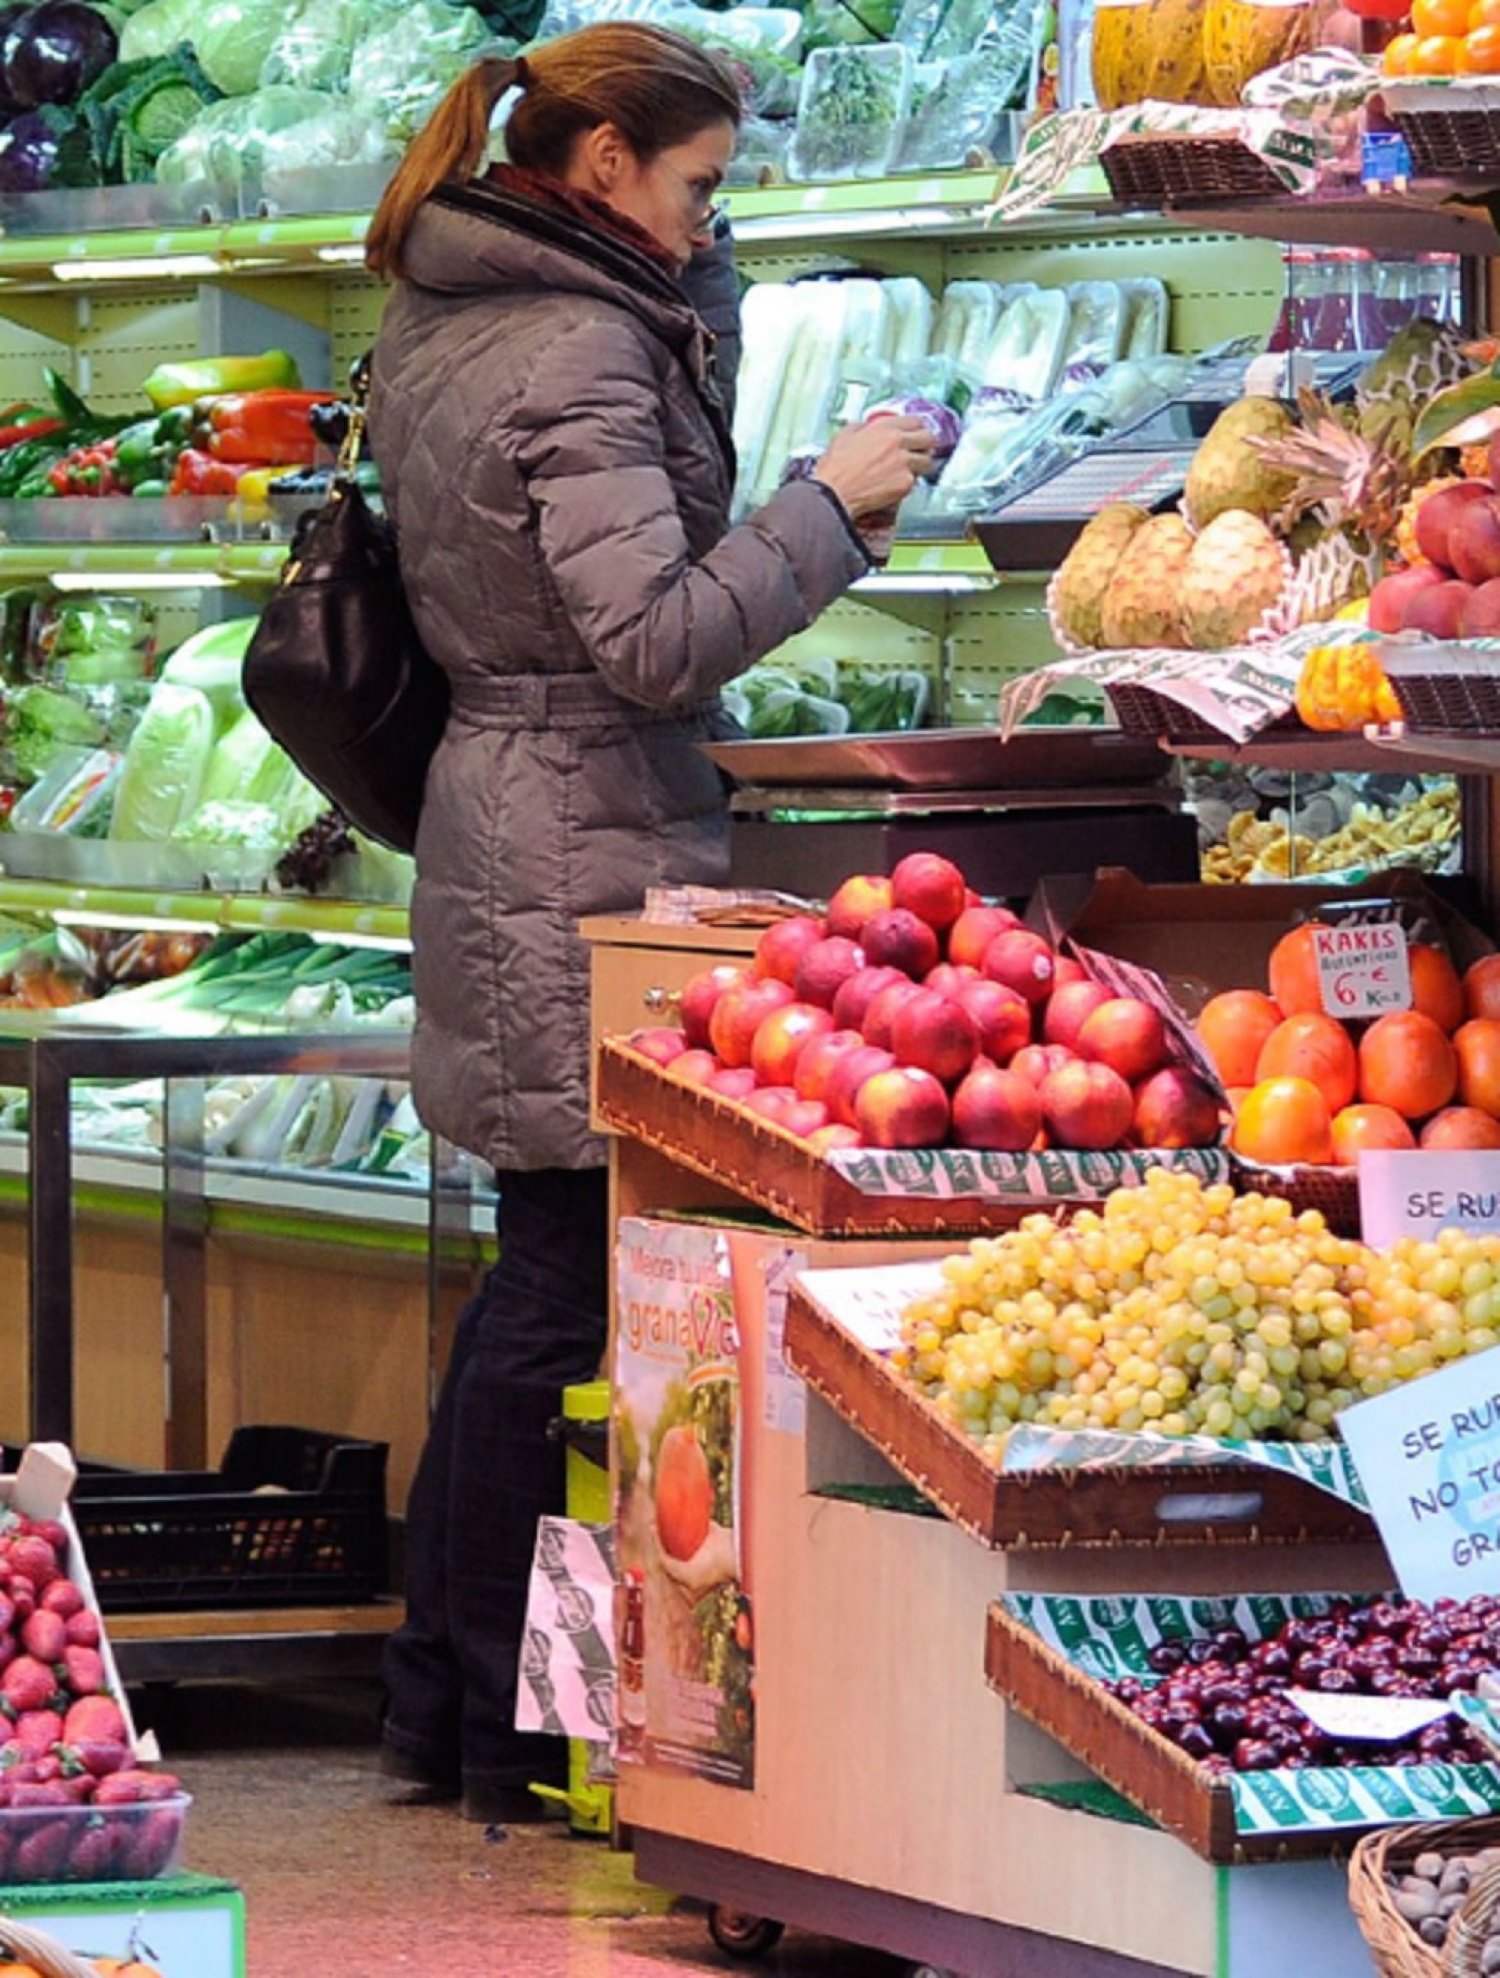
x,y
452,144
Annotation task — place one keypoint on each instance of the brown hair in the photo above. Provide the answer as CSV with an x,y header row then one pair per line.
x,y
657,88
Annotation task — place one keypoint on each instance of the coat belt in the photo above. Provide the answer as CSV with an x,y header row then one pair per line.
x,y
547,701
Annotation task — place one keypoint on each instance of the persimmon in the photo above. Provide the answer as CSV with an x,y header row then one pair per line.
x,y
1406,1062
1435,988
1461,1127
1358,1129
1233,1027
1293,972
1439,17
1483,13
1437,55
1396,60
1313,1046
1482,987
1482,51
1283,1120
1477,1044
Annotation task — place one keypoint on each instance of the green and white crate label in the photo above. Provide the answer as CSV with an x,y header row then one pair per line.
x,y
1326,1465
948,1173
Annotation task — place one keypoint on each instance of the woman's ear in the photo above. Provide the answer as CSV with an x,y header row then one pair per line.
x,y
603,158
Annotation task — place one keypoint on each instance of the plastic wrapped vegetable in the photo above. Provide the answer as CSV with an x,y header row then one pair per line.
x,y
41,722
958,103
847,23
400,67
853,104
272,132
157,28
212,661
164,765
316,40
93,641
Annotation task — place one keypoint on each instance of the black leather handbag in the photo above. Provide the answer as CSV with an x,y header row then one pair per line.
x,y
336,670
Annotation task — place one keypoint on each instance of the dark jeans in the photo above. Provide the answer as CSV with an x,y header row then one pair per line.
x,y
488,1472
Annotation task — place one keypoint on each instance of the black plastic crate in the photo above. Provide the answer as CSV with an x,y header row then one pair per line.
x,y
291,1516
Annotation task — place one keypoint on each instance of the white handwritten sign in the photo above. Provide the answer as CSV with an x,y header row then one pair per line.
x,y
1372,1719
1363,968
1428,1455
1412,1193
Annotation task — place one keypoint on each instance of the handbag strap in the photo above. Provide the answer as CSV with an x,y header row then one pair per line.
x,y
359,416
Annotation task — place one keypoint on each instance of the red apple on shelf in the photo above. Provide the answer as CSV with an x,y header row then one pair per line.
x,y
857,994
1438,517
825,968
858,900
1392,595
881,1014
694,1067
733,1082
1037,1061
741,1011
1175,1108
699,995
659,1044
970,936
781,948
1067,1008
936,1035
1023,961
929,886
898,939
1002,1018
996,1109
1125,1034
781,1039
848,1076
818,1061
948,978
902,1107
1438,610
1087,1106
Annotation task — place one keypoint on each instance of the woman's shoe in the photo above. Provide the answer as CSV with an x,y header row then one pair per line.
x,y
416,1781
495,1805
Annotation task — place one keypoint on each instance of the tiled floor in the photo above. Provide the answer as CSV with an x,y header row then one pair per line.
x,y
340,1883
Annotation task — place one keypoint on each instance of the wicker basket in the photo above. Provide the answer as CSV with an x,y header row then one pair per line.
x,y
1452,144
1332,1191
1470,1929
1143,711
1161,169
1395,1947
45,1953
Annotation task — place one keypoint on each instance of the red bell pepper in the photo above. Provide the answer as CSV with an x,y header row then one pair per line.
x,y
198,473
87,470
268,428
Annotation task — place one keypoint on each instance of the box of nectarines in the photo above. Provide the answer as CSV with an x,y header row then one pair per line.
x,y
913,1058
1333,1020
81,1797
1257,1726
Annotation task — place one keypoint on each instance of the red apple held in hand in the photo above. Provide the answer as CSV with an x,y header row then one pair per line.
x,y
1087,1106
1002,1018
1438,517
1392,595
848,1076
782,946
1022,961
694,1068
817,1063
976,927
996,1109
1474,542
733,1082
1439,610
781,1039
1127,1035
1067,1009
1038,1061
935,1035
699,995
903,1107
949,977
825,968
881,1014
857,994
741,1011
931,887
897,939
807,1117
858,900
659,1044
1174,1108
772,1102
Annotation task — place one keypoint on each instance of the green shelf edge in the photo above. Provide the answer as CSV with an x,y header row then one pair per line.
x,y
238,912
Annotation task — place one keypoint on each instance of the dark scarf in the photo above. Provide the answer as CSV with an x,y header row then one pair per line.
x,y
589,211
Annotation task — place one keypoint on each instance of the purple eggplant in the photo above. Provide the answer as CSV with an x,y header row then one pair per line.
x,y
55,50
28,154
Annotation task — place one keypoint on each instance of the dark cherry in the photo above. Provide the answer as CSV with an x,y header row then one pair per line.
x,y
1255,1755
1196,1741
1167,1656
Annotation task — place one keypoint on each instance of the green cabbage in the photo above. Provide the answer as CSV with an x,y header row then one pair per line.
x,y
275,130
232,39
258,827
158,27
401,67
164,764
212,661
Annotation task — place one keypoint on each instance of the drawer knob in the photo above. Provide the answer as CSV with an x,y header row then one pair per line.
x,y
661,1002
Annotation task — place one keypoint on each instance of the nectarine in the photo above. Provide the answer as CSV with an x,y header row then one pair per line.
x,y
1003,1018
903,1107
1174,1108
1022,961
741,1011
699,995
897,939
931,887
1125,1034
976,927
781,1039
781,948
935,1035
1088,1106
859,899
825,967
996,1109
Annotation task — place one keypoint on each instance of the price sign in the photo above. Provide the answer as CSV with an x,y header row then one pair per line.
x,y
1419,1193
1373,1719
1363,968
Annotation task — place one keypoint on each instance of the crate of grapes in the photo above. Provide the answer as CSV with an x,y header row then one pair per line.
x,y
843,1335
1257,1727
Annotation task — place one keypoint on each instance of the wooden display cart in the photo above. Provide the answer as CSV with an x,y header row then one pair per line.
x,y
893,1801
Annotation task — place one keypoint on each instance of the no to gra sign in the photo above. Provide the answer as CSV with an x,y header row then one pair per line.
x,y
1363,968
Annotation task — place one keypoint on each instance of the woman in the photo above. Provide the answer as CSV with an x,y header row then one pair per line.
x,y
555,449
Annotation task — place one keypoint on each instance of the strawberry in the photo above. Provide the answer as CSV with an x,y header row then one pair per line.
x,y
40,1854
126,1788
49,1531
153,1839
85,1666
23,1594
62,1597
28,1685
79,1788
45,1636
19,1769
10,1648
35,1559
43,1793
93,1720
96,1852
7,1613
37,1731
83,1628
99,1758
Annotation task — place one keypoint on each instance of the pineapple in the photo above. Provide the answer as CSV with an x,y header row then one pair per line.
x,y
1347,480
1421,360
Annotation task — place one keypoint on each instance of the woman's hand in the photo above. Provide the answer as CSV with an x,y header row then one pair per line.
x,y
873,467
712,1565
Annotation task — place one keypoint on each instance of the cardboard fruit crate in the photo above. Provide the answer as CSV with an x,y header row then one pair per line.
x,y
1211,1504
1238,1817
865,1192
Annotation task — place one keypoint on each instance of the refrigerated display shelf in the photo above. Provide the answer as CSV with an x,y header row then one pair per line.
x,y
350,921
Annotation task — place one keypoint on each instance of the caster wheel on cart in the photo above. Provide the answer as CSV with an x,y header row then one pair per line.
x,y
739,1935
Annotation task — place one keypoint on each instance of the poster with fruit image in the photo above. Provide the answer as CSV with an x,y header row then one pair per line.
x,y
685,1633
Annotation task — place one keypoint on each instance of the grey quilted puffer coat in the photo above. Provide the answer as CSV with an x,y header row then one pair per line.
x,y
556,457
